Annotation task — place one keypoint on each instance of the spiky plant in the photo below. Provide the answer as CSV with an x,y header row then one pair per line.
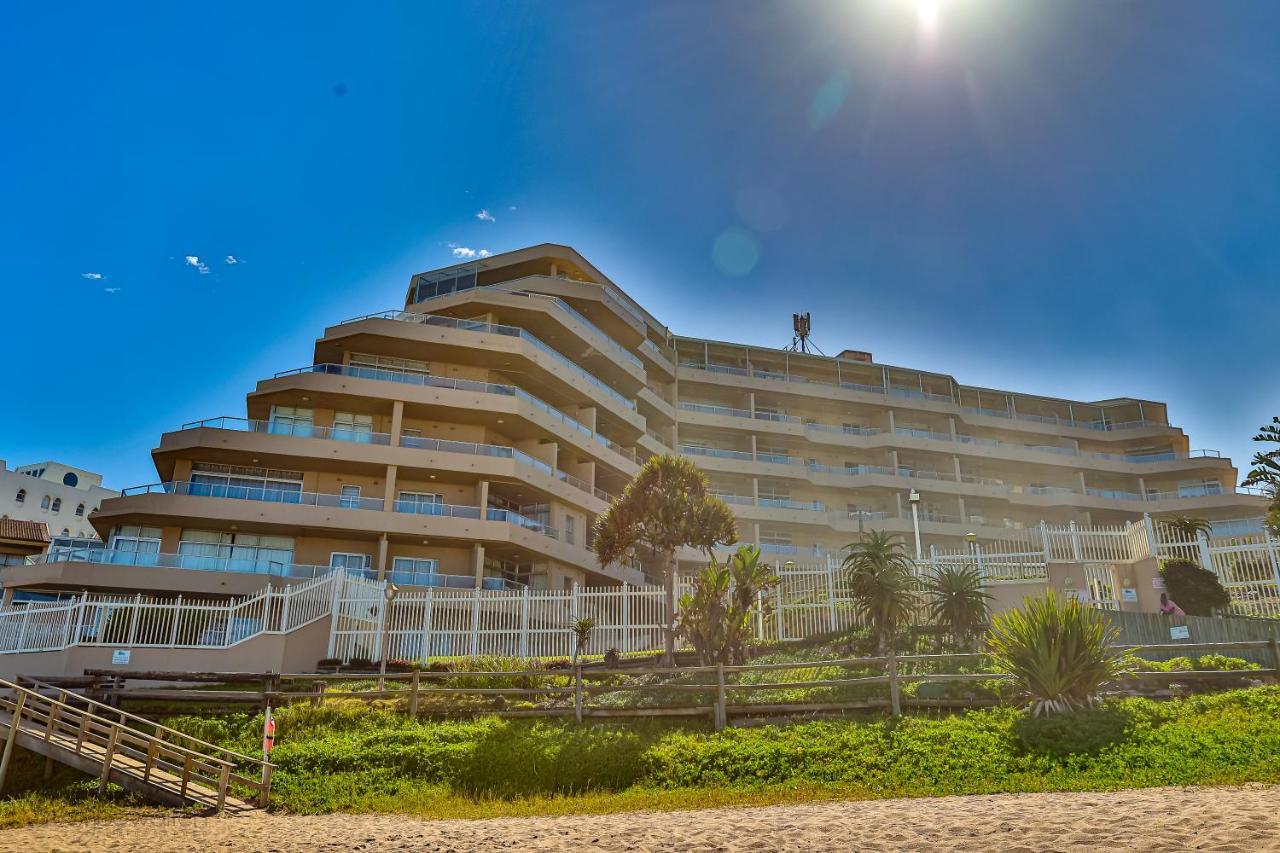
x,y
666,506
1266,471
1187,528
582,635
881,583
956,600
1059,652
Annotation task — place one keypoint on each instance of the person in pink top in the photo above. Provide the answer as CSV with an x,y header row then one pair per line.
x,y
1169,607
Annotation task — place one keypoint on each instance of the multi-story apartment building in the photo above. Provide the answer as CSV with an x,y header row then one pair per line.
x,y
57,495
475,436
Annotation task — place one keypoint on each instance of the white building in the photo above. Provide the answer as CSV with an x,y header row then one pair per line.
x,y
59,495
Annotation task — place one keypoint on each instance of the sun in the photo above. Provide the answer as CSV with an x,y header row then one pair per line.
x,y
927,14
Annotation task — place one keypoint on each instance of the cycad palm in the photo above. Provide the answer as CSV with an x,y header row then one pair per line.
x,y
957,600
881,583
1187,527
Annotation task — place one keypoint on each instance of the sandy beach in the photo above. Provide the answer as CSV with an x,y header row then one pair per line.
x,y
1220,819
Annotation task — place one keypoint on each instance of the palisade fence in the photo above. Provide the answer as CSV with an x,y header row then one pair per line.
x,y
140,621
809,600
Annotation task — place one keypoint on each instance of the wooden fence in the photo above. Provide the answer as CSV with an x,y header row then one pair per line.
x,y
719,693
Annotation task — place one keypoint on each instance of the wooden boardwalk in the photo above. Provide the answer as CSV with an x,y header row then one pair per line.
x,y
152,761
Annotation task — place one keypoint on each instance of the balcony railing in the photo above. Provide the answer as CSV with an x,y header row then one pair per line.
x,y
845,429
498,451
408,377
256,493
757,373
726,411
191,562
500,329
298,430
717,452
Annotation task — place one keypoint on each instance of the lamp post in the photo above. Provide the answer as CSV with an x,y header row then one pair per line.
x,y
975,549
913,498
389,595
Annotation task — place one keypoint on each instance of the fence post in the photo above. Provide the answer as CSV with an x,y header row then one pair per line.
x,y
427,615
722,713
133,619
1044,541
475,621
577,692
22,630
524,623
1075,541
79,633
413,696
1275,653
1272,554
1150,529
895,697
831,598
13,736
107,758
177,616
624,644
573,620
1206,559
285,598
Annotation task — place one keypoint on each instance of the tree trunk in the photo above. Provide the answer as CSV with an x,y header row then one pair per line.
x,y
669,581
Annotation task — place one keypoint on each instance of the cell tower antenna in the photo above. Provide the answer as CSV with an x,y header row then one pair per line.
x,y
801,329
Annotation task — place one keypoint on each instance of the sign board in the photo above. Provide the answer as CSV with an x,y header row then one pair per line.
x,y
1129,595
1157,582
1081,595
1179,632
120,657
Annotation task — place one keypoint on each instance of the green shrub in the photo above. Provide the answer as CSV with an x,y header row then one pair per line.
x,y
1059,652
1195,589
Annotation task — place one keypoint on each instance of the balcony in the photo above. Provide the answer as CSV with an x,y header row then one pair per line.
x,y
499,451
190,562
508,331
442,510
255,493
408,377
297,430
911,393
726,411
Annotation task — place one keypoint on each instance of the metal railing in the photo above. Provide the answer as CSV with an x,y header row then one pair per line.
x,y
255,493
411,378
501,329
297,430
189,562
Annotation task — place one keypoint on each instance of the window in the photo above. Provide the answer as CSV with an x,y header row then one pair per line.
x,y
412,570
70,479
57,505
361,563
132,545
21,497
350,497
80,511
384,362
235,552
569,523
423,503
44,502
237,481
66,531
348,426
288,420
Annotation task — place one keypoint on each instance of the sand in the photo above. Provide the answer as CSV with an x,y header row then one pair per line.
x,y
1220,819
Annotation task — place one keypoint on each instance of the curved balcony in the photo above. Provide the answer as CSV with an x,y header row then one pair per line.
x,y
407,377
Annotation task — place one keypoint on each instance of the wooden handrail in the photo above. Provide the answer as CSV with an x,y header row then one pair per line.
x,y
241,757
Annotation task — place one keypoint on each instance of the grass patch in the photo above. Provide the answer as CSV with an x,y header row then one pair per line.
x,y
67,797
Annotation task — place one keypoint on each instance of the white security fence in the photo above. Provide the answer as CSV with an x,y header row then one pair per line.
x,y
437,622
145,622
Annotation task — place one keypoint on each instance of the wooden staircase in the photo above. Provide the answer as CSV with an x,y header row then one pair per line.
x,y
153,761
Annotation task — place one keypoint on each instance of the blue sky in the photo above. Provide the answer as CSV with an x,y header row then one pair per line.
x,y
1078,199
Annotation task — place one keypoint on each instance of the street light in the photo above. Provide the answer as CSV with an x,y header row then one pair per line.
x,y
914,499
390,595
975,549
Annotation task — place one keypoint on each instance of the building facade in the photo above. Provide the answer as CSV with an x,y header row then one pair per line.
x,y
57,495
474,436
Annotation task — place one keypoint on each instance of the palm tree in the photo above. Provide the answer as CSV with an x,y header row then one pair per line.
x,y
1188,528
956,600
664,508
881,582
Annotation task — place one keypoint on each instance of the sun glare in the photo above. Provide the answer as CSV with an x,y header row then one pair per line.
x,y
927,13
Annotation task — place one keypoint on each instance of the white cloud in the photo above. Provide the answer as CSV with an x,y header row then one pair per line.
x,y
485,216
465,254
111,289
512,208
230,259
92,276
193,261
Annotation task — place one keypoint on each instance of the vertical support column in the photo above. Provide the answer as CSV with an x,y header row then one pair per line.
x,y
1084,488
1142,487
951,424
893,423
959,476
389,490
482,497
753,447
382,556
477,564
397,422
897,497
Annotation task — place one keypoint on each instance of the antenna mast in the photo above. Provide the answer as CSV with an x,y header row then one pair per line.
x,y
801,328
